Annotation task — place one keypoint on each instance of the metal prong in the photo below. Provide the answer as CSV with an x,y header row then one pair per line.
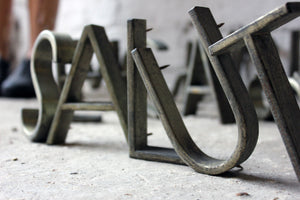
x,y
220,25
149,29
163,67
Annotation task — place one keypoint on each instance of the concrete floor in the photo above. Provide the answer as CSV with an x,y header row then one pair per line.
x,y
94,163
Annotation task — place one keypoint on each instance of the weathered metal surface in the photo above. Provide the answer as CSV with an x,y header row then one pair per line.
x,y
200,74
243,62
196,80
264,24
229,78
137,102
295,83
278,91
57,104
48,48
181,77
294,78
256,37
176,130
136,92
51,122
259,100
295,52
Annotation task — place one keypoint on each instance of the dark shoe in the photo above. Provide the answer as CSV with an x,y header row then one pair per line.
x,y
19,83
4,66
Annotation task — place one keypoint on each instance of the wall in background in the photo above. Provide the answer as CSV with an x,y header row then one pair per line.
x,y
168,18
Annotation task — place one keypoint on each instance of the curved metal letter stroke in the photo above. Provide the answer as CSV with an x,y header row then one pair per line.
x,y
256,36
181,140
49,47
51,123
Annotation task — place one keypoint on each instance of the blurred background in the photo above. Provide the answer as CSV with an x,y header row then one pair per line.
x,y
168,18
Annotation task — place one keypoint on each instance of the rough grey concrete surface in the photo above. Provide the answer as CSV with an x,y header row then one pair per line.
x,y
94,162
